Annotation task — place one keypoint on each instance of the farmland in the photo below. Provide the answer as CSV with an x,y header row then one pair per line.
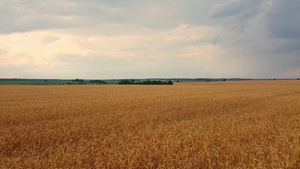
x,y
249,124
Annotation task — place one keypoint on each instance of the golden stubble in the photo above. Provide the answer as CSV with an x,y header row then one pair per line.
x,y
251,124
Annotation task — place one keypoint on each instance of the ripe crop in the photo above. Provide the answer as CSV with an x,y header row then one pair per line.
x,y
253,124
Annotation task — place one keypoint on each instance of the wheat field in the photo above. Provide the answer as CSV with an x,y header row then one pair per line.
x,y
249,124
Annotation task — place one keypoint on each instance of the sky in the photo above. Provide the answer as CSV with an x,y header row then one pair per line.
x,y
105,39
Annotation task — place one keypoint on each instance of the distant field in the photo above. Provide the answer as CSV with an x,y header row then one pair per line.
x,y
249,124
34,82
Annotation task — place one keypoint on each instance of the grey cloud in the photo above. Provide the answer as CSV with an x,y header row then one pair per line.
x,y
250,22
155,15
283,19
22,16
234,15
29,15
164,13
289,46
215,40
227,9
246,9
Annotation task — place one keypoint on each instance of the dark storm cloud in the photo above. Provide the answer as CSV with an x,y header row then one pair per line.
x,y
234,15
283,24
283,19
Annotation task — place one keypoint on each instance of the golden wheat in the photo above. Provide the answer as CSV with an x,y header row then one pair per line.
x,y
254,124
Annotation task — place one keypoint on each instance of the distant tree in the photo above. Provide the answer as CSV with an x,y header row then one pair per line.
x,y
125,82
78,80
147,82
98,81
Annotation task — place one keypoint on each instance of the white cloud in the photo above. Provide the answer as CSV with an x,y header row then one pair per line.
x,y
149,43
49,40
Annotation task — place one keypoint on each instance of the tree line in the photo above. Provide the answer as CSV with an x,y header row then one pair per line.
x,y
147,82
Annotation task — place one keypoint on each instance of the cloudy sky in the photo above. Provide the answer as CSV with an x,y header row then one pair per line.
x,y
103,39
